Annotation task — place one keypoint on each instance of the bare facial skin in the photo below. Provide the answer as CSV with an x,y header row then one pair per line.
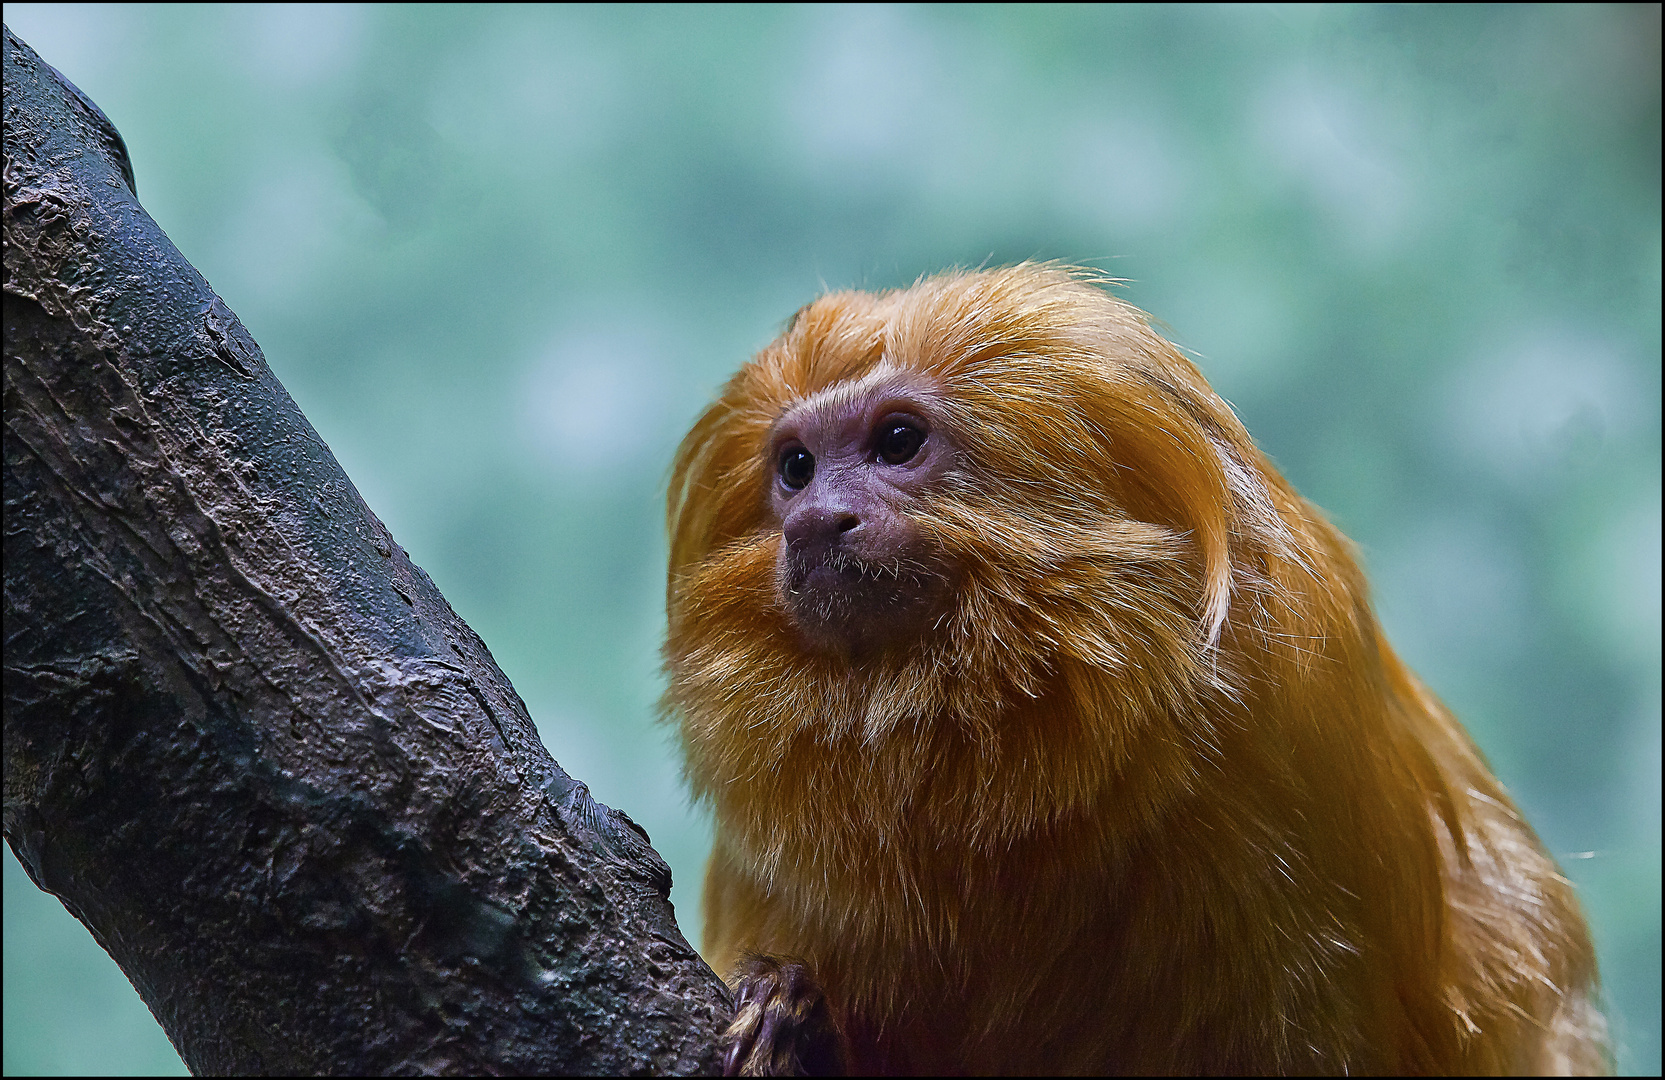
x,y
855,573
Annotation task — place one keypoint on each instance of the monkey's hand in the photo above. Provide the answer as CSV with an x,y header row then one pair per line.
x,y
782,1024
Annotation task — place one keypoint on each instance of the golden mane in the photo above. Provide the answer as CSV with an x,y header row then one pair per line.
x,y
1160,705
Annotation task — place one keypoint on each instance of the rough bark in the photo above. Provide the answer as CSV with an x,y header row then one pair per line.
x,y
247,742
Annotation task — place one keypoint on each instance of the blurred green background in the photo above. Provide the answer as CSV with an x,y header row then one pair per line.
x,y
502,256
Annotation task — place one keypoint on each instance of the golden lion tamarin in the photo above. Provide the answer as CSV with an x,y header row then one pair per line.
x,y
1048,730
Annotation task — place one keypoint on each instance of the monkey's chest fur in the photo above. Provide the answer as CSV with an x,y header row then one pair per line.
x,y
948,946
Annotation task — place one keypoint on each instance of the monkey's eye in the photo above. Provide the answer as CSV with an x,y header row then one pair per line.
x,y
797,465
899,441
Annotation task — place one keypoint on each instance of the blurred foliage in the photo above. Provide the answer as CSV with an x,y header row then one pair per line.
x,y
502,256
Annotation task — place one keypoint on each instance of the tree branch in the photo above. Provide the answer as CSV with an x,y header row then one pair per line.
x,y
247,742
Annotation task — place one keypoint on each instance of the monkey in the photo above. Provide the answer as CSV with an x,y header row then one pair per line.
x,y
1046,729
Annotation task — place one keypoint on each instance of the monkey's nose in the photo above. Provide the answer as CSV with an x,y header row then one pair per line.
x,y
812,527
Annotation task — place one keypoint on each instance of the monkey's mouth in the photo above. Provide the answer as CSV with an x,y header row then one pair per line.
x,y
852,604
845,566
840,572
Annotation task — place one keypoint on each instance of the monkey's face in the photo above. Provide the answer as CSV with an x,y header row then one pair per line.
x,y
989,489
850,468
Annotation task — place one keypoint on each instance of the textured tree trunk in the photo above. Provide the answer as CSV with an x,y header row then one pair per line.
x,y
247,742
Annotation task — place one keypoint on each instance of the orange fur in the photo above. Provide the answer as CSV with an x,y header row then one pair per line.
x,y
1155,796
